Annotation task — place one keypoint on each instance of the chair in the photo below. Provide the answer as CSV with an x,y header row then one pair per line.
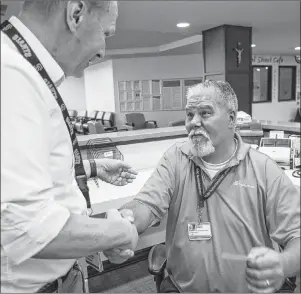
x,y
99,116
137,121
104,122
81,118
91,116
95,127
108,121
72,115
157,263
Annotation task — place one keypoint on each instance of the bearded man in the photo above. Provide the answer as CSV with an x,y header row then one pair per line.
x,y
226,204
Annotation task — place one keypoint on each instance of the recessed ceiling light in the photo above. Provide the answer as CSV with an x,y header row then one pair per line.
x,y
298,48
183,25
253,45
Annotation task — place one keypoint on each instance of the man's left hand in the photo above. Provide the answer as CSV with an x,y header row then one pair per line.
x,y
115,172
264,272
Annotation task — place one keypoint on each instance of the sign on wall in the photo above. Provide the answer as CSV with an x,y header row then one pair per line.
x,y
262,59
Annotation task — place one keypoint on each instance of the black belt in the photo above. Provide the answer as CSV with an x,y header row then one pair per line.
x,y
53,286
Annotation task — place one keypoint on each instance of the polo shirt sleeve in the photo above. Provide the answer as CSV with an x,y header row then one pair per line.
x,y
282,205
30,218
158,190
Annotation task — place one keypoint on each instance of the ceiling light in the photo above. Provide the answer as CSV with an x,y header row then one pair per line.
x,y
183,25
253,45
266,67
298,48
258,69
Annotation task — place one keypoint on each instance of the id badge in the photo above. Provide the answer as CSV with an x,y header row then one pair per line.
x,y
199,231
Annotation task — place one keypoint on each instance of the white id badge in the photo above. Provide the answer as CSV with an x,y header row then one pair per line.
x,y
199,231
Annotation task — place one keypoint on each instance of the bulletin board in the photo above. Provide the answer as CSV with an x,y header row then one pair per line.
x,y
154,95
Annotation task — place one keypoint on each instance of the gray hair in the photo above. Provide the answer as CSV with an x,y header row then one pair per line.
x,y
222,88
48,7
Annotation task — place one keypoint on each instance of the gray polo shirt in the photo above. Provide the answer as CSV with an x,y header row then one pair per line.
x,y
255,204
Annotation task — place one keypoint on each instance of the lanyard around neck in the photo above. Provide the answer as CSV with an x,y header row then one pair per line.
x,y
26,51
204,195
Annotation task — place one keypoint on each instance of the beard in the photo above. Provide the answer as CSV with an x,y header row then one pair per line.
x,y
201,143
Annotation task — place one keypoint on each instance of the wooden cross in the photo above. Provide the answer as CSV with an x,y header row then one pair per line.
x,y
239,51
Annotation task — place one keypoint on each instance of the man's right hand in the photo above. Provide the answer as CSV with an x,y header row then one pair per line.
x,y
123,253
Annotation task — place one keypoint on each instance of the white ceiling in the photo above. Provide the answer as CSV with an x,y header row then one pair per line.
x,y
276,24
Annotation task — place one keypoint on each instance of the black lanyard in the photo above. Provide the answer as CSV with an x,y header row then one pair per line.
x,y
204,195
30,56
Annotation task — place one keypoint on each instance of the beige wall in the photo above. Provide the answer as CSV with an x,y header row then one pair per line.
x,y
73,93
99,87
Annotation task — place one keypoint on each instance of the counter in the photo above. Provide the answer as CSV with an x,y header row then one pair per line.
x,y
148,135
287,127
130,137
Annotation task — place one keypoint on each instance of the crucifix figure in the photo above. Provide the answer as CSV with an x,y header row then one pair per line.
x,y
239,51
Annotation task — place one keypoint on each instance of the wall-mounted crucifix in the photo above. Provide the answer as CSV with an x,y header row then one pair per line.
x,y
239,51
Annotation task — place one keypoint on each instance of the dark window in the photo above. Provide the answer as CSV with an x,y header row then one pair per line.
x,y
262,84
287,83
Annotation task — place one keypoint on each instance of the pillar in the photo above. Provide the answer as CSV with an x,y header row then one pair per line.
x,y
227,56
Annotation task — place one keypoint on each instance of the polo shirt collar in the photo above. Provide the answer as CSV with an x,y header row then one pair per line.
x,y
53,69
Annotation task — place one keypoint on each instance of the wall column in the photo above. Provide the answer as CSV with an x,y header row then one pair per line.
x,y
227,56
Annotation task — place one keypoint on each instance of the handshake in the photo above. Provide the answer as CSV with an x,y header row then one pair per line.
x,y
124,252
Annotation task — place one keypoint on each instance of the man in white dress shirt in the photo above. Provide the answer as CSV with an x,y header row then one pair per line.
x,y
44,222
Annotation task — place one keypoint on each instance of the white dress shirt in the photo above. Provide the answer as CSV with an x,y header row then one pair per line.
x,y
38,186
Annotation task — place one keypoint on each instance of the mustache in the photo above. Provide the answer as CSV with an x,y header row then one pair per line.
x,y
198,132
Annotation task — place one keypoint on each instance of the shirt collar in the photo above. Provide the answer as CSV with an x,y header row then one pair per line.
x,y
54,71
242,150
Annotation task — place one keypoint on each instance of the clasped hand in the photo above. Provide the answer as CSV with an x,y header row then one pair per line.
x,y
264,272
123,253
115,172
